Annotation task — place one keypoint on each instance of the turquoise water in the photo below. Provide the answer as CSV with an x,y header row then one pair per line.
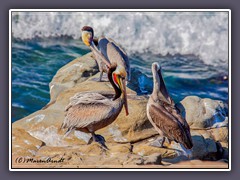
x,y
36,61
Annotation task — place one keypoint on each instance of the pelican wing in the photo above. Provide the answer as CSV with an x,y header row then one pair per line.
x,y
167,123
170,122
176,113
118,55
102,46
86,109
114,53
120,50
84,97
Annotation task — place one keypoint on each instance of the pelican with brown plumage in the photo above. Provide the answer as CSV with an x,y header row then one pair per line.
x,y
91,111
104,50
164,115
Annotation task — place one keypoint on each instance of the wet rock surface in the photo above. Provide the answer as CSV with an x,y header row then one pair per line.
x,y
38,136
204,113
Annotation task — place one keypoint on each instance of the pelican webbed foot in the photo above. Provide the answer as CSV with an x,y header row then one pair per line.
x,y
100,139
158,142
186,152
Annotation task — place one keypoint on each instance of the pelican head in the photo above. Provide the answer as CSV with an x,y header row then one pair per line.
x,y
159,88
121,71
119,76
87,38
87,35
155,68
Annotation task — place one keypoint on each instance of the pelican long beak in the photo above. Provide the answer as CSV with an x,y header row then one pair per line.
x,y
95,49
124,94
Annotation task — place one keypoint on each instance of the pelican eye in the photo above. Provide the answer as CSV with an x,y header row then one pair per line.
x,y
156,100
123,77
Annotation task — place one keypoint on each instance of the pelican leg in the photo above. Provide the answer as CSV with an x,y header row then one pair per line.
x,y
90,141
103,77
158,142
100,77
100,139
168,141
186,152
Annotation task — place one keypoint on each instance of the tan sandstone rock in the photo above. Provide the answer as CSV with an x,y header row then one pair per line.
x,y
23,144
203,113
71,74
38,135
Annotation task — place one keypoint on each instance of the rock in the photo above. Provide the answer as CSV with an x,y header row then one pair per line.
x,y
203,148
210,145
71,74
144,160
87,154
38,135
144,149
198,164
203,132
23,144
203,113
93,155
45,124
155,158
176,159
199,147
225,154
115,149
220,134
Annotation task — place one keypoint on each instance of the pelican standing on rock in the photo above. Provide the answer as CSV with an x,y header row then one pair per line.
x,y
164,115
89,111
103,49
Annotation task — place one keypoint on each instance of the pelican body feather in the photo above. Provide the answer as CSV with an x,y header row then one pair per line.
x,y
164,115
91,111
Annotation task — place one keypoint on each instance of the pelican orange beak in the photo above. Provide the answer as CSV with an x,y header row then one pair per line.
x,y
122,84
124,91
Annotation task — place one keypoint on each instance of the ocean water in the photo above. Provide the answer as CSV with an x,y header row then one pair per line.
x,y
192,49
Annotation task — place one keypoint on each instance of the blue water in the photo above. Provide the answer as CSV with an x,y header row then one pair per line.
x,y
36,61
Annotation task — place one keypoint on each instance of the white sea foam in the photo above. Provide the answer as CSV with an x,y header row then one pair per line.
x,y
204,34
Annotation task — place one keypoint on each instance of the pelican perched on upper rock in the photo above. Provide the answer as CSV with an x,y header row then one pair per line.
x,y
89,111
104,54
164,115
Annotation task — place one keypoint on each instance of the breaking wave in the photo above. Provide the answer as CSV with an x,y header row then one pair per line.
x,y
204,34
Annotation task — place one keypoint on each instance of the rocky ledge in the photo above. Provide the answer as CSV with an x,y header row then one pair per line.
x,y
37,141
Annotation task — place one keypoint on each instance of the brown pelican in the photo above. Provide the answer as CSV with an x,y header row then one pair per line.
x,y
89,111
103,54
164,115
